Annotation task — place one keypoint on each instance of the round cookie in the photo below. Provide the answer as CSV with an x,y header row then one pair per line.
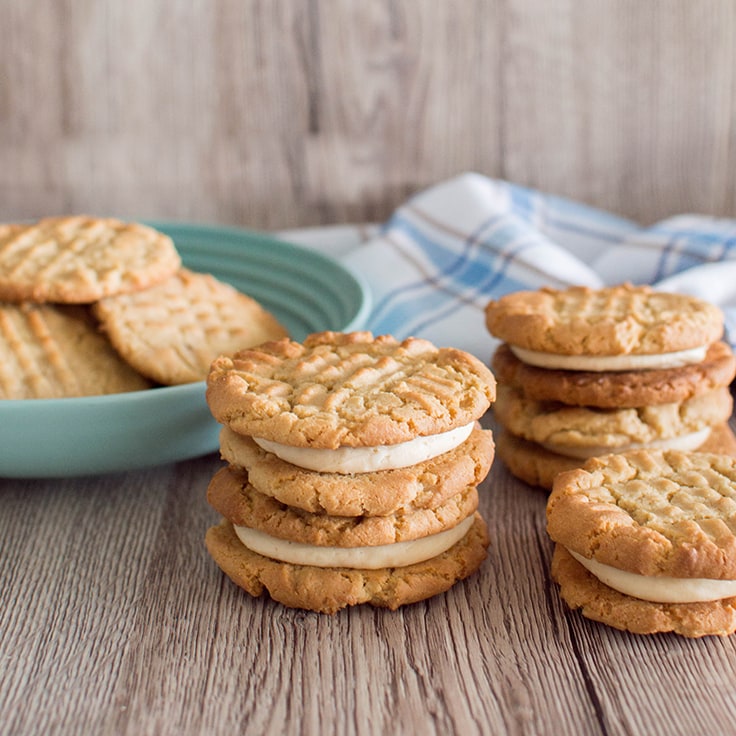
x,y
79,259
580,430
230,493
618,320
651,513
378,493
657,528
348,390
50,352
327,590
173,331
538,466
619,389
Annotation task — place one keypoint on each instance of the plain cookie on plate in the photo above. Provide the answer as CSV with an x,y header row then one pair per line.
x,y
79,259
174,330
51,352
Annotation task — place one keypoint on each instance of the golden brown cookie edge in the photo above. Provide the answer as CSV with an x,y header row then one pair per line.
x,y
327,590
619,389
379,493
230,493
248,410
596,601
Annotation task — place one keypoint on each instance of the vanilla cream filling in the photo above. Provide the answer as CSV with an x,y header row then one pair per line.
x,y
398,554
349,460
659,589
610,362
685,442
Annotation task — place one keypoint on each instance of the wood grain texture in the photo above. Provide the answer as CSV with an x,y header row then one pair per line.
x,y
278,113
113,620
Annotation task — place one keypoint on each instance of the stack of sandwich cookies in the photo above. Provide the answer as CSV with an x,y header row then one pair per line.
x,y
585,372
645,541
353,465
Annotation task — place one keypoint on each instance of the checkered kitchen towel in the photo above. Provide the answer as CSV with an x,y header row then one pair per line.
x,y
440,258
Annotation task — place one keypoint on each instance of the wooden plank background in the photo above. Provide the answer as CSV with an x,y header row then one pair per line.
x,y
282,113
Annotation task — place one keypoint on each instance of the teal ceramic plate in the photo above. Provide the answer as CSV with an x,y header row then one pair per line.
x,y
307,291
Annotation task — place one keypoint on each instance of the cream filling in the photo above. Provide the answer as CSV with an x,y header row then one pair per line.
x,y
659,589
349,460
610,362
398,554
685,442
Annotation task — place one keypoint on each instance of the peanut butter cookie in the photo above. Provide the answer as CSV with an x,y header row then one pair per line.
x,y
348,390
79,259
655,532
173,331
327,590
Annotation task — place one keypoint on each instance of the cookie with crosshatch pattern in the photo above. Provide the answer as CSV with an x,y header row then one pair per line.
x,y
614,328
376,443
646,541
172,331
50,351
348,390
77,259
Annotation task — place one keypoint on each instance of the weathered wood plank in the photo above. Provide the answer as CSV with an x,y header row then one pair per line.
x,y
276,114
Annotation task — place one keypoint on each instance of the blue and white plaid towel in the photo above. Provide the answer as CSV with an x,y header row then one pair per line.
x,y
444,254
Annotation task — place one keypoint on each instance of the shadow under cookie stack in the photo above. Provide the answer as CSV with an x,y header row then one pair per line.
x,y
353,466
583,373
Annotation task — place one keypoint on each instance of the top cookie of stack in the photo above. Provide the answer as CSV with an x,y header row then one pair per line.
x,y
585,372
95,305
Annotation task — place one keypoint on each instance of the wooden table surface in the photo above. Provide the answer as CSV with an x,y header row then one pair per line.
x,y
114,620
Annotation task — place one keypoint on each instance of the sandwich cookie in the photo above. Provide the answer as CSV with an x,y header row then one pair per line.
x,y
353,469
230,493
559,408
373,493
616,328
645,541
339,390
